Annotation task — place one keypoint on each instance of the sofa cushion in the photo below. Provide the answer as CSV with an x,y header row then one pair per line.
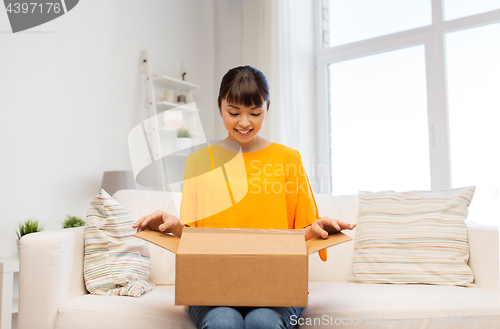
x,y
413,237
115,262
401,302
326,299
154,310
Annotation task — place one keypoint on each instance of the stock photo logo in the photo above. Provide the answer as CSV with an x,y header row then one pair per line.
x,y
215,174
24,15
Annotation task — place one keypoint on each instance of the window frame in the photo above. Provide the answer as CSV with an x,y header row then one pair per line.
x,y
432,37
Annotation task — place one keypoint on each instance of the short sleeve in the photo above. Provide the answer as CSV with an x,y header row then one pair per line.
x,y
188,200
306,210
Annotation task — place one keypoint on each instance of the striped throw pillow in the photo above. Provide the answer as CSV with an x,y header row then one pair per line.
x,y
413,237
116,263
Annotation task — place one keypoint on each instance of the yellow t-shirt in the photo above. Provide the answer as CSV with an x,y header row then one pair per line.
x,y
265,189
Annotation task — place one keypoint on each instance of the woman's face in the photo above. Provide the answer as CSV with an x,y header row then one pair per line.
x,y
239,119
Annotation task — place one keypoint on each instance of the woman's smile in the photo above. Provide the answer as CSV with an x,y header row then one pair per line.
x,y
244,133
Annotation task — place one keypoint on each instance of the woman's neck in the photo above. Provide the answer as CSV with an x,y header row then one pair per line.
x,y
257,143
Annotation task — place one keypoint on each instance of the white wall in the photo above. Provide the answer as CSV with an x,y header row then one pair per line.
x,y
71,91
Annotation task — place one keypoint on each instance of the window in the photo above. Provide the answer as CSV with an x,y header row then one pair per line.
x,y
355,20
454,9
389,139
473,75
407,97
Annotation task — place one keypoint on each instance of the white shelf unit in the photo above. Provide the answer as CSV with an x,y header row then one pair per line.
x,y
181,87
15,305
174,84
9,305
165,129
165,106
163,138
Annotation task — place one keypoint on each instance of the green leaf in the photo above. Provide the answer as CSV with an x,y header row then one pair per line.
x,y
73,221
183,133
29,226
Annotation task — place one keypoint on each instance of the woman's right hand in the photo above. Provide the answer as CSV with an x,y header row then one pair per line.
x,y
160,221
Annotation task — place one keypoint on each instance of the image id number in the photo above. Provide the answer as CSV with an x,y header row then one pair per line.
x,y
34,7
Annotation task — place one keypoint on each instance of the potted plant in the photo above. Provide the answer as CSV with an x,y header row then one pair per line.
x,y
73,221
184,140
29,226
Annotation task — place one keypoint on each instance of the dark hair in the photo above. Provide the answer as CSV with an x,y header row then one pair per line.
x,y
244,85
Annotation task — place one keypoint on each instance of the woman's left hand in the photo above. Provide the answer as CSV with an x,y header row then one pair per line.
x,y
325,226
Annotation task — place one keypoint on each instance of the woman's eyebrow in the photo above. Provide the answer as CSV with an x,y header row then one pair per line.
x,y
253,108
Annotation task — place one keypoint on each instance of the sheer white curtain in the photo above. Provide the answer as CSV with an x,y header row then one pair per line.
x,y
269,45
278,40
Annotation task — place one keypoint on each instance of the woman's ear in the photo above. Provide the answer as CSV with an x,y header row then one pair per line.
x,y
219,106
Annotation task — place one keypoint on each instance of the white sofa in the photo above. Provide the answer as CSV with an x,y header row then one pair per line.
x,y
53,295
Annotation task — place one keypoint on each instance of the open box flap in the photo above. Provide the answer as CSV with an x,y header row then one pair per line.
x,y
171,242
319,243
163,240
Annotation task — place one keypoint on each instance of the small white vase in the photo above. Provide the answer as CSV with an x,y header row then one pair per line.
x,y
183,144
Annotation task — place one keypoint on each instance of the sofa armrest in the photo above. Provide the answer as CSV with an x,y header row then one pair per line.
x,y
50,272
484,260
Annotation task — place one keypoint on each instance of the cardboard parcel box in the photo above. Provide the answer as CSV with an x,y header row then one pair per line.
x,y
241,267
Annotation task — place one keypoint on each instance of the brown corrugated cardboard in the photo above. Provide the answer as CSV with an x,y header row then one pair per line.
x,y
241,267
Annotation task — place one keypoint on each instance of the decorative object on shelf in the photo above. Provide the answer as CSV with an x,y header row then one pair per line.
x,y
184,140
173,119
183,133
184,71
169,96
73,221
113,181
181,99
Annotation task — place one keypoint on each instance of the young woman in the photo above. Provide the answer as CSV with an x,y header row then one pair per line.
x,y
274,192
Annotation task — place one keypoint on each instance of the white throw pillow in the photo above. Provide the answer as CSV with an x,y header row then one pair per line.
x,y
116,263
413,237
